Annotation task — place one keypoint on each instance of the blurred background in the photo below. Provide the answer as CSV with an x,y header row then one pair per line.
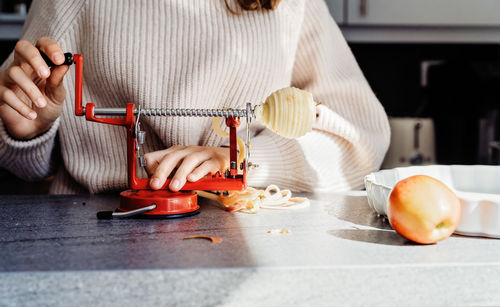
x,y
434,65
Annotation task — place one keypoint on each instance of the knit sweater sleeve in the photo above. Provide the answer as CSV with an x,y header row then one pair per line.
x,y
33,159
351,133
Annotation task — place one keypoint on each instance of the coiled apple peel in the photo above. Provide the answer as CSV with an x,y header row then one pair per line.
x,y
289,112
252,200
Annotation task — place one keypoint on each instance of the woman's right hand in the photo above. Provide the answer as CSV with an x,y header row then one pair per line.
x,y
32,94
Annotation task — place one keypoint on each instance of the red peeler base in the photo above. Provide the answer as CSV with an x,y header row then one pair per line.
x,y
168,204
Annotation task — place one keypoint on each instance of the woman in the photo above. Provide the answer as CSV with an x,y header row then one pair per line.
x,y
185,54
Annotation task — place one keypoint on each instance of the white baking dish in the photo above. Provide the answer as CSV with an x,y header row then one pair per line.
x,y
477,187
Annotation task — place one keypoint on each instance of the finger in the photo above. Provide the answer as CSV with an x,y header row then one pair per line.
x,y
57,76
165,167
55,88
154,158
28,53
51,49
207,167
17,75
189,163
7,96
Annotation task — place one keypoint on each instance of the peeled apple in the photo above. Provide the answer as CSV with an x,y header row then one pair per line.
x,y
289,112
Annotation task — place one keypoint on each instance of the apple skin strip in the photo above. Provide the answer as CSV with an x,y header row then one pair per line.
x,y
215,240
289,112
279,231
252,200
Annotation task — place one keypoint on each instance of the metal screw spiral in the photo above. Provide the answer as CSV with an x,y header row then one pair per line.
x,y
248,112
197,112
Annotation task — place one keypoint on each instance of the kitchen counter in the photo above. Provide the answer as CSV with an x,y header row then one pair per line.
x,y
54,252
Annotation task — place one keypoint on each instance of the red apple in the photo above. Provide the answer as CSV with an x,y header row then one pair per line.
x,y
423,209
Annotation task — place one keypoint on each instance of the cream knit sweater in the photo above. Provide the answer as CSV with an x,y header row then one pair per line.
x,y
196,54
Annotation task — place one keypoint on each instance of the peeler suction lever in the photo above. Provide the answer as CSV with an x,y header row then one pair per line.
x,y
107,215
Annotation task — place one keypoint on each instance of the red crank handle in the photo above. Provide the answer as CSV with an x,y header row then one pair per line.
x,y
70,59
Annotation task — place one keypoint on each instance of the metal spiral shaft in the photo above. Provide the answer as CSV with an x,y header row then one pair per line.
x,y
195,112
248,112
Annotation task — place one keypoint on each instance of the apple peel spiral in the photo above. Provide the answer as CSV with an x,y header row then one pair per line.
x,y
289,112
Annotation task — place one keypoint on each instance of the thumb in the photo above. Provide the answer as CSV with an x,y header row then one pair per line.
x,y
54,88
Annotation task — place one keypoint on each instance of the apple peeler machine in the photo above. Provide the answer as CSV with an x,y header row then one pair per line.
x,y
140,199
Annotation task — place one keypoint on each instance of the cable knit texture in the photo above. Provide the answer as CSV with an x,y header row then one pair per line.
x,y
197,54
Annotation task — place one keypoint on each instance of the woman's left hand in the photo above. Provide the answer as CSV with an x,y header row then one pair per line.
x,y
192,162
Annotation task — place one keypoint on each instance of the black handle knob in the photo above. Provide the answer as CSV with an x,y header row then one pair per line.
x,y
68,59
104,215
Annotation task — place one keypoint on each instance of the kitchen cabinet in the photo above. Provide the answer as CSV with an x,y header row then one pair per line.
x,y
424,12
422,21
11,26
337,10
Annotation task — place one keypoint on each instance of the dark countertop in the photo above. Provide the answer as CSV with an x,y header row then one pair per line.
x,y
54,251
